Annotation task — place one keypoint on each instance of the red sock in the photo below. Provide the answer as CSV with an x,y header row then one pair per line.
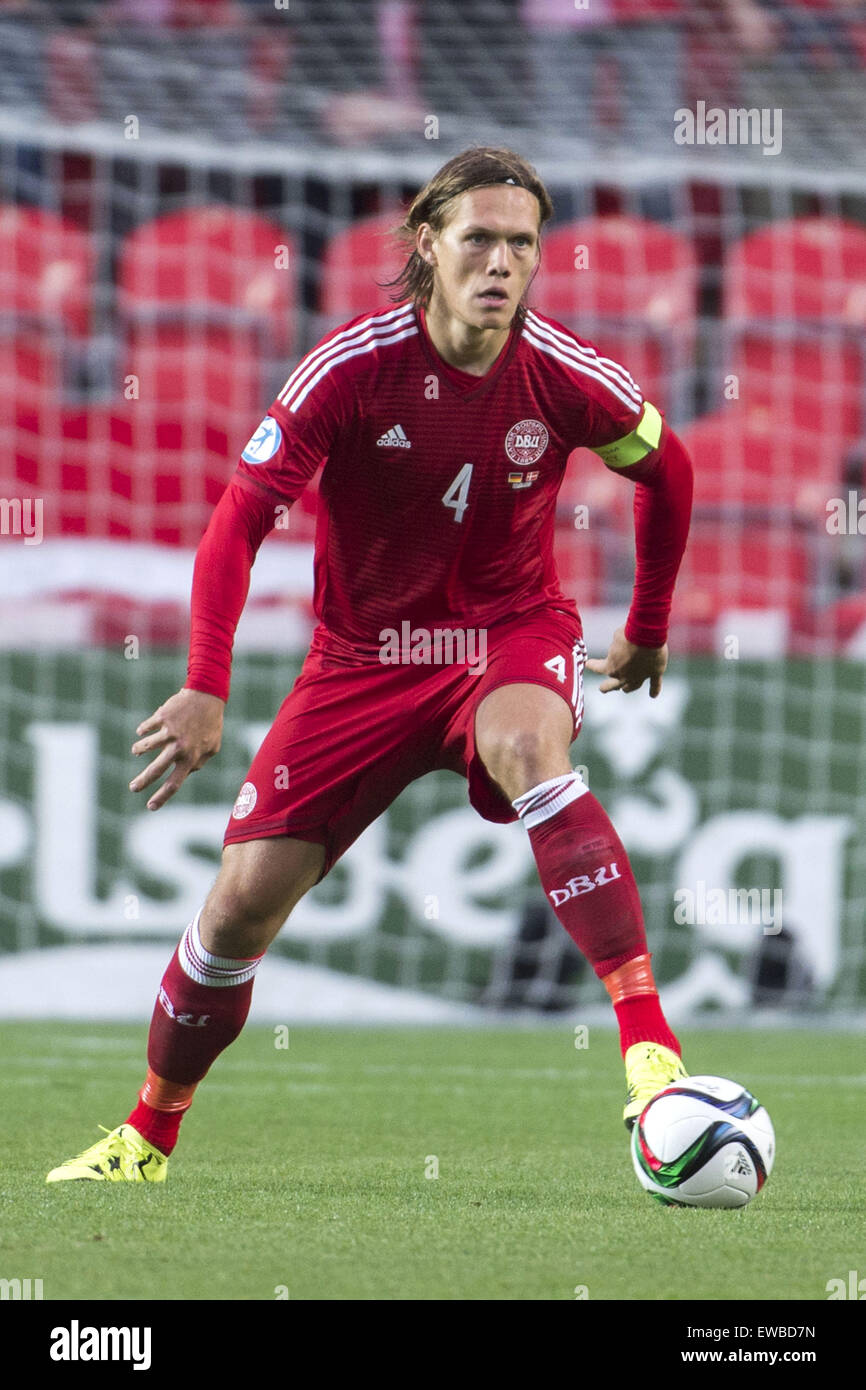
x,y
637,1006
201,1007
586,874
156,1116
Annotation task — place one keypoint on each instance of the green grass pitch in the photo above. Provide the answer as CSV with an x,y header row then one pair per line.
x,y
302,1171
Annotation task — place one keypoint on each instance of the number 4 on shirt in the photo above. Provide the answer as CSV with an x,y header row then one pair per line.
x,y
458,491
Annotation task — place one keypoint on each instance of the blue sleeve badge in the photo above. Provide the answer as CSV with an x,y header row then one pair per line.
x,y
264,443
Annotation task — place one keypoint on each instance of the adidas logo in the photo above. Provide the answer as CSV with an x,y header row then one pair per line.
x,y
394,438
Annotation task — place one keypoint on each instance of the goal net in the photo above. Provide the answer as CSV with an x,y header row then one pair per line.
x,y
180,221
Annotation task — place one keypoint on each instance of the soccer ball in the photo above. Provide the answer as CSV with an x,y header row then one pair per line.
x,y
703,1142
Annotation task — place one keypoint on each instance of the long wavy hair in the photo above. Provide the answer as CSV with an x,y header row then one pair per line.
x,y
474,168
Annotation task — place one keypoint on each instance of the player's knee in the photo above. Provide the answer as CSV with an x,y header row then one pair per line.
x,y
237,906
236,925
258,885
243,914
519,757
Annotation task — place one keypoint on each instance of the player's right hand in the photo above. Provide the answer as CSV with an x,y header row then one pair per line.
x,y
187,730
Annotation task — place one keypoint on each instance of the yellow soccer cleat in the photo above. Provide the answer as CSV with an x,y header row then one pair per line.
x,y
122,1156
649,1067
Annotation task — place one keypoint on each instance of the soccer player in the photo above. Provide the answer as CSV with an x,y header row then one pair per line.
x,y
444,422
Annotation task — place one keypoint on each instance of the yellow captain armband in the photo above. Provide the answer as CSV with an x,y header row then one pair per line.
x,y
635,446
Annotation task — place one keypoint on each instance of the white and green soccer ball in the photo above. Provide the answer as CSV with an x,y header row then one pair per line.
x,y
703,1142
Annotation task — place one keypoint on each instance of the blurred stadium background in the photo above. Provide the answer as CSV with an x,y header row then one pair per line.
x,y
191,193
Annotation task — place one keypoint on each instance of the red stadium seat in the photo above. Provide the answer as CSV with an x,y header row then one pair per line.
x,y
122,471
46,275
630,286
809,269
817,386
580,559
354,260
587,483
209,366
747,458
207,300
30,366
728,566
131,472
795,325
46,269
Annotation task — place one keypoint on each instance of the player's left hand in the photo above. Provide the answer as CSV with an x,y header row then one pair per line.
x,y
628,666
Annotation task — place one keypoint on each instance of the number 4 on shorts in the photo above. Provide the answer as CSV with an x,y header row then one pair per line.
x,y
557,665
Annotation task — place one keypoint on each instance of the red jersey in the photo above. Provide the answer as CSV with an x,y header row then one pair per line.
x,y
438,490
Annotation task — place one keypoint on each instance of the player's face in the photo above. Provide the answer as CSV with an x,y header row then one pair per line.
x,y
485,256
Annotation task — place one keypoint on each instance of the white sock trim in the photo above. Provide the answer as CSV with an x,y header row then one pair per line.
x,y
208,969
545,800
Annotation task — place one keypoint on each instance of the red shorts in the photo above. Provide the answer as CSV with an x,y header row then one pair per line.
x,y
353,734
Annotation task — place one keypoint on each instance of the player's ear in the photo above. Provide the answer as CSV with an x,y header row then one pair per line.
x,y
424,243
